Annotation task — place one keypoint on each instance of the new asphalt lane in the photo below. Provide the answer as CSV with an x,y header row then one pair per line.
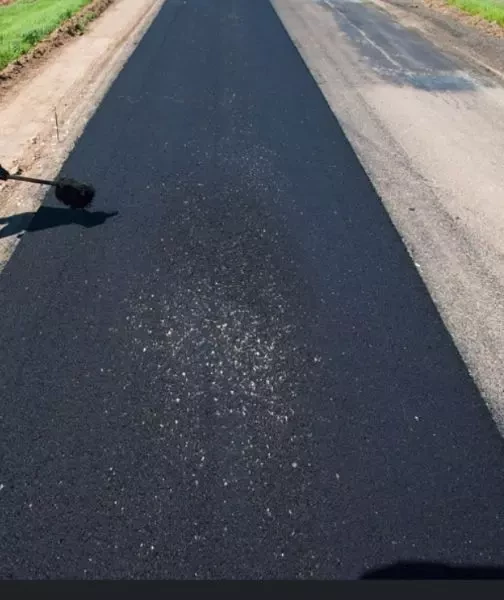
x,y
240,374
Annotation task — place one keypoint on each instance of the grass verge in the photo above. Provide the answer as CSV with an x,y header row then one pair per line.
x,y
25,22
490,10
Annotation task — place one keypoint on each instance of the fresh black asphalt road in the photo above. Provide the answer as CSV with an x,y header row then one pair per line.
x,y
241,373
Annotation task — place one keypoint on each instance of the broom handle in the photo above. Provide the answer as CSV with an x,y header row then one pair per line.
x,y
33,180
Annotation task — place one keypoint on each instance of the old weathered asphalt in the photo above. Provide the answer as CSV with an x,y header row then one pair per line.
x,y
241,373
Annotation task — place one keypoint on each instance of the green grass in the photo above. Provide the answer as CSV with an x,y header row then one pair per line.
x,y
26,22
490,10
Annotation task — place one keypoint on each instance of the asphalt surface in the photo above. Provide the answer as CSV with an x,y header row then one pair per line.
x,y
398,55
241,373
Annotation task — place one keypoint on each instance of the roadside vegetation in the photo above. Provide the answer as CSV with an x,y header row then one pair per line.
x,y
490,10
23,23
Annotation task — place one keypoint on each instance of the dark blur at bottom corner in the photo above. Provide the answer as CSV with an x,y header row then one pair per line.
x,y
431,570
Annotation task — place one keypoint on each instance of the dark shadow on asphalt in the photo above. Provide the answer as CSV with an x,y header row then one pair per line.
x,y
48,217
427,570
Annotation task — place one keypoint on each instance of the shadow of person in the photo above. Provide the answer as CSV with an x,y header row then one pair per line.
x,y
426,570
48,217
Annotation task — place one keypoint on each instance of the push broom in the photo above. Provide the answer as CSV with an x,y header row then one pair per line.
x,y
68,191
